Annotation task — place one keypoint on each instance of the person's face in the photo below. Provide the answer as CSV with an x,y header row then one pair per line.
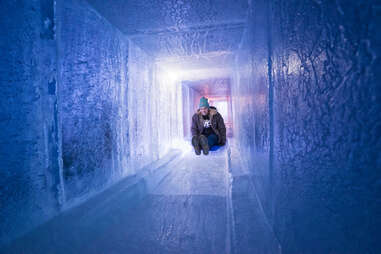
x,y
204,111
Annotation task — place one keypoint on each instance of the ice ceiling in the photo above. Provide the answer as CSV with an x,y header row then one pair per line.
x,y
211,87
186,38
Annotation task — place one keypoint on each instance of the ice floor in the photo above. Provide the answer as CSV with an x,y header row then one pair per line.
x,y
180,204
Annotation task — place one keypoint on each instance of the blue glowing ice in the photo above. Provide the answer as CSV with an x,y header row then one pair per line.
x,y
96,103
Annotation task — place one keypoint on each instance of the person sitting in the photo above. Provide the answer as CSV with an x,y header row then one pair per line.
x,y
208,128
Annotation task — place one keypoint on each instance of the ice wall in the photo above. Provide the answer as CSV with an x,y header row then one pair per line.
x,y
30,181
251,121
307,112
141,134
250,93
327,124
169,111
93,93
154,109
190,106
142,137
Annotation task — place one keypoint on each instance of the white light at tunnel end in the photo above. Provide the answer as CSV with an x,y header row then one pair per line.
x,y
173,76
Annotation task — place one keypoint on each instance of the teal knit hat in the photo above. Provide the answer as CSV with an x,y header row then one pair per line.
x,y
204,102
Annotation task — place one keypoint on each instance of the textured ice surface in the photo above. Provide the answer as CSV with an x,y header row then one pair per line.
x,y
93,87
178,205
307,125
30,179
115,103
93,91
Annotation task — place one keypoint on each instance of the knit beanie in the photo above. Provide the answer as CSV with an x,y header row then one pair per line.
x,y
204,102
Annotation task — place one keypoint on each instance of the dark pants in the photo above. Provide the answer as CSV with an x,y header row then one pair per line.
x,y
212,140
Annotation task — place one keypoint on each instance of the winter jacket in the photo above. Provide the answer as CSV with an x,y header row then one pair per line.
x,y
218,125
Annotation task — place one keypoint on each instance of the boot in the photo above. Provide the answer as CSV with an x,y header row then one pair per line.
x,y
196,145
204,144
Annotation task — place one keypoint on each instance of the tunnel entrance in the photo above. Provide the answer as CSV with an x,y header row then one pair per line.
x,y
218,92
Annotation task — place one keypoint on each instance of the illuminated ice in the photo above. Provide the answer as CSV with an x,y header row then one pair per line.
x,y
96,102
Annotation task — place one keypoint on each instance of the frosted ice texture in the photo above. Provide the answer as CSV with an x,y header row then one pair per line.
x,y
30,180
305,97
102,93
93,89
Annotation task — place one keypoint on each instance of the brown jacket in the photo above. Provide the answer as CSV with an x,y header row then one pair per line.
x,y
218,125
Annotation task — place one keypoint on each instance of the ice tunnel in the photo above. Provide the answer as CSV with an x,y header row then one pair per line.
x,y
97,99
